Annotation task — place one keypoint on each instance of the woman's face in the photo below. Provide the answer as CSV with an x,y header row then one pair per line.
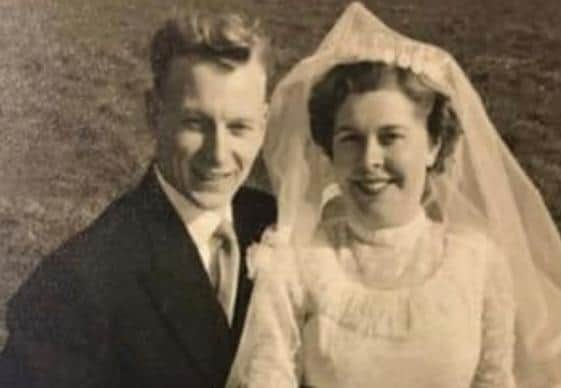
x,y
381,151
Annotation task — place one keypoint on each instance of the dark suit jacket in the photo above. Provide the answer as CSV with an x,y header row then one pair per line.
x,y
127,302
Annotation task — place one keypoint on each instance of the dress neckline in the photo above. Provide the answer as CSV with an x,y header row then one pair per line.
x,y
400,257
399,236
394,306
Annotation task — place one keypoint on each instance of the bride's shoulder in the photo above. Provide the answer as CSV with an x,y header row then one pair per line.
x,y
466,235
472,241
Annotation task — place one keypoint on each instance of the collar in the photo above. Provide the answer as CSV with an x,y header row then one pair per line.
x,y
200,223
402,235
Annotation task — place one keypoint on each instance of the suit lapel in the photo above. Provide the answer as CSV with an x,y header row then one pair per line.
x,y
179,288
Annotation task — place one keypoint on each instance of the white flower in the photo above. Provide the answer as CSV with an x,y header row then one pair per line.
x,y
259,255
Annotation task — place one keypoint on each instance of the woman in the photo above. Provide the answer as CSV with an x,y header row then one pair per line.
x,y
392,261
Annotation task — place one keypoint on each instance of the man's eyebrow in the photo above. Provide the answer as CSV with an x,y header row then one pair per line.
x,y
186,110
242,119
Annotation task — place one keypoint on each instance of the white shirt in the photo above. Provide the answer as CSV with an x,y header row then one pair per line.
x,y
200,224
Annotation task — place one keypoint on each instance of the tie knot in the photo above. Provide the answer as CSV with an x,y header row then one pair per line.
x,y
225,228
224,235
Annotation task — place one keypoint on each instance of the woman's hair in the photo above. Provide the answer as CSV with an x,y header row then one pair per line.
x,y
330,92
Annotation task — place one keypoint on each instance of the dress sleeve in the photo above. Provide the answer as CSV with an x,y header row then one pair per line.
x,y
269,352
495,368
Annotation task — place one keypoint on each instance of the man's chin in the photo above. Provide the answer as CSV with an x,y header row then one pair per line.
x,y
209,200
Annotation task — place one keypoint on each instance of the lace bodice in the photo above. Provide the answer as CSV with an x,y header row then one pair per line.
x,y
422,305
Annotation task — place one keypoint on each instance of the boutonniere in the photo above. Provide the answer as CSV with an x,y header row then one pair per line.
x,y
259,254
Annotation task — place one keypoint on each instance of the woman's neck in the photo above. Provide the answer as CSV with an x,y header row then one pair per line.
x,y
375,230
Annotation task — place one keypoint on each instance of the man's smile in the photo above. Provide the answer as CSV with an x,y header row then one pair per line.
x,y
213,177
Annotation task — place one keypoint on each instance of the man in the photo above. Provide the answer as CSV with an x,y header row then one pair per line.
x,y
154,292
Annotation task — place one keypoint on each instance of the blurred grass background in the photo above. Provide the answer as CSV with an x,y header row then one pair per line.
x,y
73,75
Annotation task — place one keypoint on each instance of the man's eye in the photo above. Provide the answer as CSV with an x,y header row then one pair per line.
x,y
192,122
349,138
240,127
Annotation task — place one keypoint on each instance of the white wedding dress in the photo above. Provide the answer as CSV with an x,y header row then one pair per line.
x,y
421,305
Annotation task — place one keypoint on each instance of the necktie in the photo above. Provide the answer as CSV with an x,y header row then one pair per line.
x,y
224,266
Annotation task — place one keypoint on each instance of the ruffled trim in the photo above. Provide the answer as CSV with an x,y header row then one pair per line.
x,y
398,312
395,314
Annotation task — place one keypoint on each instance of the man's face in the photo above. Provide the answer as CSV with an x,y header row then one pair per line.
x,y
210,126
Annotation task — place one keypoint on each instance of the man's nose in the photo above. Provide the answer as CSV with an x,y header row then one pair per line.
x,y
372,153
218,143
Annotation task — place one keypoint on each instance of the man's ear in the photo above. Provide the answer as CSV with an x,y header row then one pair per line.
x,y
152,107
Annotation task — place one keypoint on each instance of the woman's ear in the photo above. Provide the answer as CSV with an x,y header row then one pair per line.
x,y
266,112
434,150
152,106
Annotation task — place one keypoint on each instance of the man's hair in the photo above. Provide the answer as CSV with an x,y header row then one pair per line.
x,y
226,38
328,95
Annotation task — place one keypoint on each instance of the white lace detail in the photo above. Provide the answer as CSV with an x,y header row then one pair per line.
x,y
399,311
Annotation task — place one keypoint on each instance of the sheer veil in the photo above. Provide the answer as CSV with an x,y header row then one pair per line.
x,y
483,185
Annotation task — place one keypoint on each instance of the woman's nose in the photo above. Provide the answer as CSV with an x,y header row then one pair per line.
x,y
373,152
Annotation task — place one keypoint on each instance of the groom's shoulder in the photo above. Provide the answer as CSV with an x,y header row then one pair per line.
x,y
116,221
117,232
110,245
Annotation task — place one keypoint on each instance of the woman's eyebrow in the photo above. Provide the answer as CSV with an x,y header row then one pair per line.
x,y
345,128
392,127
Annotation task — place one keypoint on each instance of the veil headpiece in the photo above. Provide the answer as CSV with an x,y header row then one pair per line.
x,y
484,184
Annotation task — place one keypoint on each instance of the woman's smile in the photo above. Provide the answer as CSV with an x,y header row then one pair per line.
x,y
371,186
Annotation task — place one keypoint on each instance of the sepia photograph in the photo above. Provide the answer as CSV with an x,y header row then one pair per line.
x,y
280,193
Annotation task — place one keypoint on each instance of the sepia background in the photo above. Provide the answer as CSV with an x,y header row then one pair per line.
x,y
73,75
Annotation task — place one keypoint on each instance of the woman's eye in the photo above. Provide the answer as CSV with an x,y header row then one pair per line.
x,y
390,138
